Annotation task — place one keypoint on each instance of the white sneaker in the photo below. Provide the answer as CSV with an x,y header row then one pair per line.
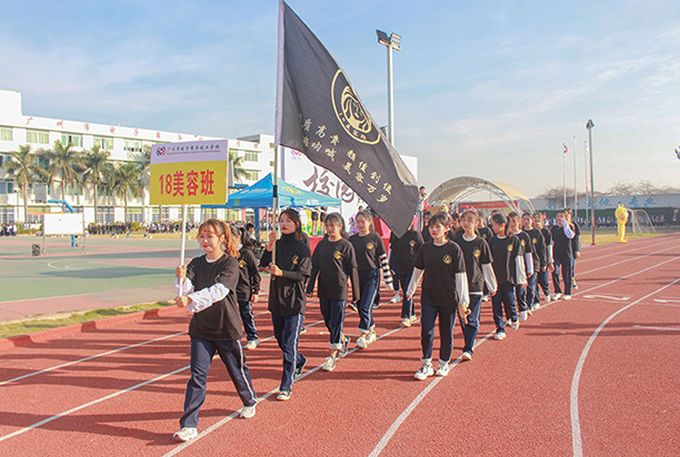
x,y
574,285
252,344
425,372
508,323
567,297
515,324
557,297
485,298
362,342
524,315
413,319
406,322
248,412
499,336
443,369
396,298
371,337
185,434
329,364
548,298
466,356
283,395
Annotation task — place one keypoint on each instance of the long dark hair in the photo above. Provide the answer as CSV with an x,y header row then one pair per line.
x,y
337,218
295,217
223,230
369,218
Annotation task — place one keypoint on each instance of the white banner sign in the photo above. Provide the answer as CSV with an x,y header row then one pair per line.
x,y
63,224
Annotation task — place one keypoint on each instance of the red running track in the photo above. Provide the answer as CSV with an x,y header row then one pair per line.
x,y
516,397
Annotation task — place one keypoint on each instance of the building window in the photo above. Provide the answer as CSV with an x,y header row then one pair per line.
x,y
251,156
72,139
6,187
104,215
251,175
4,158
35,214
133,146
7,215
209,213
104,142
73,189
134,215
6,134
37,137
104,191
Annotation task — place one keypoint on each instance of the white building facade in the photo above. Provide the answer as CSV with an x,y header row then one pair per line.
x,y
125,144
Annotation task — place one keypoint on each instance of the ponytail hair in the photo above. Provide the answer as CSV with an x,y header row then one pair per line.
x,y
224,230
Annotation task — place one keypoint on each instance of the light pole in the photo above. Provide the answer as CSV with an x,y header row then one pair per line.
x,y
589,126
391,42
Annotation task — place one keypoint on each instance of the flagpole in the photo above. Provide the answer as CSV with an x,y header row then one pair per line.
x,y
278,125
564,179
585,176
573,145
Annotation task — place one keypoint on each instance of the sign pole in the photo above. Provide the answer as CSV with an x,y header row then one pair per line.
x,y
275,199
183,244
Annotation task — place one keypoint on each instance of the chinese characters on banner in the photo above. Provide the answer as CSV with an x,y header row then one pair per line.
x,y
190,173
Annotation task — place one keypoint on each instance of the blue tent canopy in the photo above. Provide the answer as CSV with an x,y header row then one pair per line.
x,y
259,195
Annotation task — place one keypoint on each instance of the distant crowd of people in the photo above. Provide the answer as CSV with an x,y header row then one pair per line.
x,y
8,230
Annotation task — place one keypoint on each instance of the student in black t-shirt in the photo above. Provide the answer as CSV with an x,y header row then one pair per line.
x,y
575,245
444,292
427,215
508,265
544,275
480,273
248,287
403,252
515,228
207,289
455,228
538,253
287,299
334,262
371,260
562,234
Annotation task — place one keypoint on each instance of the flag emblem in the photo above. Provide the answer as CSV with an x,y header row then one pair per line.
x,y
351,115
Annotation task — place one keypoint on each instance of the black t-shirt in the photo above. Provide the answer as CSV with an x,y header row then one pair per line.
x,y
249,275
334,262
368,250
476,254
440,264
404,251
504,252
427,237
576,241
222,320
287,293
525,242
547,236
562,249
485,232
539,252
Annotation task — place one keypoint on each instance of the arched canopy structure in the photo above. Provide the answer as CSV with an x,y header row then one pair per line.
x,y
455,190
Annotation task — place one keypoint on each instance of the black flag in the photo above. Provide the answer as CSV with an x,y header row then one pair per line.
x,y
319,113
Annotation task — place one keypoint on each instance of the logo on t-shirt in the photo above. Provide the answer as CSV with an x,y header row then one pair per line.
x,y
524,243
477,253
447,259
370,245
295,260
337,255
534,240
509,247
412,243
241,263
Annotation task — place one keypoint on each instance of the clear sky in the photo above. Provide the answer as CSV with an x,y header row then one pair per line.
x,y
489,89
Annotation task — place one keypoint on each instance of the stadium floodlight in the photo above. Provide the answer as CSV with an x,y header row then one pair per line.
x,y
392,42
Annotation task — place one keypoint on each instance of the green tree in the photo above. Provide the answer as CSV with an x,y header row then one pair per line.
x,y
97,171
23,167
65,165
236,167
127,182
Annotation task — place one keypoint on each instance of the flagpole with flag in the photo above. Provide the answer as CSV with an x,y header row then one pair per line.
x,y
319,113
564,175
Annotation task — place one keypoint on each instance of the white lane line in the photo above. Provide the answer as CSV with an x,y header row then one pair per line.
x,y
91,357
96,356
404,415
577,440
608,297
650,327
107,397
667,300
235,414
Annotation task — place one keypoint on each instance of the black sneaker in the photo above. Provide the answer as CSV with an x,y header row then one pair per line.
x,y
345,347
299,369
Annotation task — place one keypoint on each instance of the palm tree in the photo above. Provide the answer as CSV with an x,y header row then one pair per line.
x,y
65,164
23,166
236,169
127,182
97,169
